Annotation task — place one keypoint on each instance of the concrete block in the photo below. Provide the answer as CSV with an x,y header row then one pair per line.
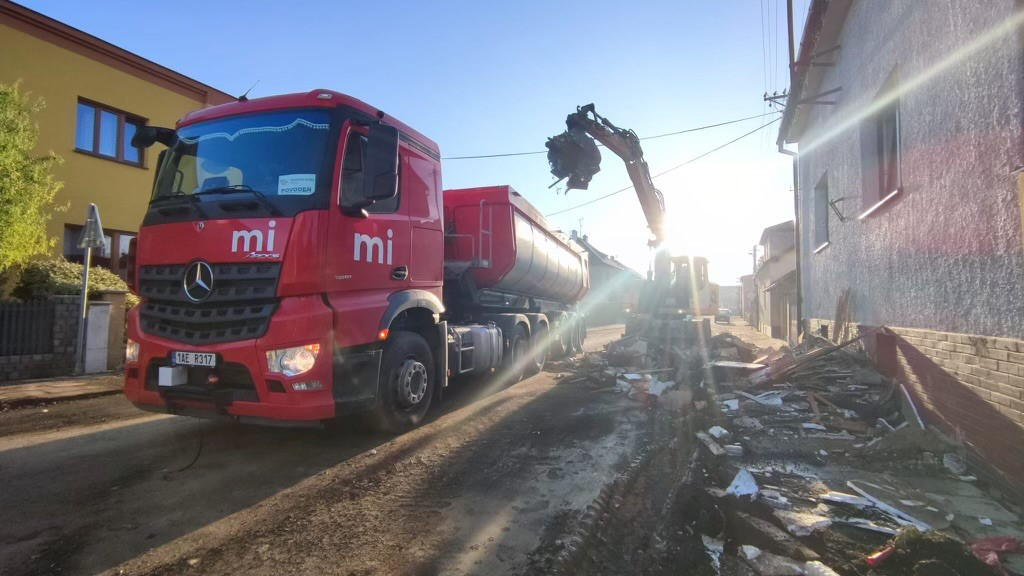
x,y
97,332
1000,400
1008,368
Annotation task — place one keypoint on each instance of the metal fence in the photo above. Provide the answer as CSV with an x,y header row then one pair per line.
x,y
26,327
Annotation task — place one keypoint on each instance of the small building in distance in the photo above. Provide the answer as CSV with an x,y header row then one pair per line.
x,y
775,280
730,297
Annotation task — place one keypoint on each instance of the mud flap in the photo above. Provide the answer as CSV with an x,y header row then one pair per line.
x,y
356,379
441,360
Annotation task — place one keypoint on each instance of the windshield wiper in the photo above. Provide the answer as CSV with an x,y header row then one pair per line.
x,y
191,199
242,188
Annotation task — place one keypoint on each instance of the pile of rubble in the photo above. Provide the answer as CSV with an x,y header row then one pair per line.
x,y
813,461
814,456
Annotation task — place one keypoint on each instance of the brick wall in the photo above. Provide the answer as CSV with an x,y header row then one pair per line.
x,y
963,382
61,360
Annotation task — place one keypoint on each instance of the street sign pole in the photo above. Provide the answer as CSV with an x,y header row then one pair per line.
x,y
92,237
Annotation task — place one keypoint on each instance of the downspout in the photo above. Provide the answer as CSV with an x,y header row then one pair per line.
x,y
796,178
796,233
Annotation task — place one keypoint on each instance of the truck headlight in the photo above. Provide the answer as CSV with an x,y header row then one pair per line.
x,y
293,361
131,352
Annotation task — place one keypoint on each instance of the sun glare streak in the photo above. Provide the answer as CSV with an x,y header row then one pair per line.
x,y
963,53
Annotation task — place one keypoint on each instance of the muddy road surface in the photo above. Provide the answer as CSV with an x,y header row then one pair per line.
x,y
94,485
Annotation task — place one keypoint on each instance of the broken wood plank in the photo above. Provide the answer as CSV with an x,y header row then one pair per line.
x,y
713,447
814,407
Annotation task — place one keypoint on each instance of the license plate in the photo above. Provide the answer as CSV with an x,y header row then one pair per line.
x,y
194,359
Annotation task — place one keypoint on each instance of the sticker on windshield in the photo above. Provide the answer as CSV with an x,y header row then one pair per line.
x,y
296,184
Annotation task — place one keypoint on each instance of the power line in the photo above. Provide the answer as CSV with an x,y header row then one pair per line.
x,y
690,161
676,133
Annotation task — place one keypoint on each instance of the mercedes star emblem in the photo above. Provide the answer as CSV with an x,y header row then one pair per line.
x,y
198,281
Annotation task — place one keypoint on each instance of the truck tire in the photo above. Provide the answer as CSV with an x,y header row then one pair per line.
x,y
560,339
582,330
515,360
406,383
575,345
538,350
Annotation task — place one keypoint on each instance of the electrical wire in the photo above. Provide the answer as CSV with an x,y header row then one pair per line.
x,y
690,161
676,133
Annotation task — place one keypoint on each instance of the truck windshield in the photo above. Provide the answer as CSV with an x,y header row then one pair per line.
x,y
278,156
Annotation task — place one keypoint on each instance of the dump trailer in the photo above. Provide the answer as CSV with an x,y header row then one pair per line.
x,y
299,262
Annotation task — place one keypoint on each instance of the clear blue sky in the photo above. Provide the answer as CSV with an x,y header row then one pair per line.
x,y
490,77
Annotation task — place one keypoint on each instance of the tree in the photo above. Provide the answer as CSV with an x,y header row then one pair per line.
x,y
27,187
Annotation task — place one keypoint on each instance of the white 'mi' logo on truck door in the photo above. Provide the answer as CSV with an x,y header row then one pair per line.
x,y
241,240
371,245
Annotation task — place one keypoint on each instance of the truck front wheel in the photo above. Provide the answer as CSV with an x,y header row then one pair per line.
x,y
406,383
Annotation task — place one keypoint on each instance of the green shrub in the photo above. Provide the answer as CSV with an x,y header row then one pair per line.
x,y
60,277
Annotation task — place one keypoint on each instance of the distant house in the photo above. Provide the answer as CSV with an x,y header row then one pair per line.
x,y
748,304
775,281
730,297
908,119
614,287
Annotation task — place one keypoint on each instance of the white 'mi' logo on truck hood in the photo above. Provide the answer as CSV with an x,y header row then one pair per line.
x,y
246,240
371,245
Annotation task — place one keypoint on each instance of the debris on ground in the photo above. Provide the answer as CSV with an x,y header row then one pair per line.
x,y
808,460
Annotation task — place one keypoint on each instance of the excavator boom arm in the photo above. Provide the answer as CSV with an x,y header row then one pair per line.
x,y
573,155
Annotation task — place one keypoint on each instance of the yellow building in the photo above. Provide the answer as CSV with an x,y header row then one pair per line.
x,y
96,95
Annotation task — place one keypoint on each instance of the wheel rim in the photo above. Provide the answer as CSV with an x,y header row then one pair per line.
x,y
412,382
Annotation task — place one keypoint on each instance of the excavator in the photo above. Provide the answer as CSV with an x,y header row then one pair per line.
x,y
574,156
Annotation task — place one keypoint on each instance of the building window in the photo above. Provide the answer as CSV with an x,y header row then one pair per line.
x,y
107,133
821,209
880,150
113,255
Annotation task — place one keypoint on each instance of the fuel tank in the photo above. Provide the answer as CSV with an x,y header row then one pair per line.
x,y
504,244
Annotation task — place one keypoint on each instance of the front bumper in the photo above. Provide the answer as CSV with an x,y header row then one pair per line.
x,y
240,388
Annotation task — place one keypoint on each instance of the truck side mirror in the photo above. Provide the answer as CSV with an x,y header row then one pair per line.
x,y
380,174
146,136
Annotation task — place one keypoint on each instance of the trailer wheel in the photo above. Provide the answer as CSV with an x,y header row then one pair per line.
x,y
582,331
406,383
575,345
538,350
560,341
515,360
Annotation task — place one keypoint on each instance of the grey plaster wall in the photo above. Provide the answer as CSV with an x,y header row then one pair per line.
x,y
946,254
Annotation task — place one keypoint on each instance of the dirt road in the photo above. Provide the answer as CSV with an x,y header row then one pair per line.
x,y
93,484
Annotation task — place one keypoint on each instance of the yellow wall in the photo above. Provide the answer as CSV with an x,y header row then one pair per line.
x,y
61,76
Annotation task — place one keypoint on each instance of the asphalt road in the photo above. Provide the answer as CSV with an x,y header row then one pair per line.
x,y
92,484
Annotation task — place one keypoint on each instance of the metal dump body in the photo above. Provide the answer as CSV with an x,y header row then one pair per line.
x,y
506,245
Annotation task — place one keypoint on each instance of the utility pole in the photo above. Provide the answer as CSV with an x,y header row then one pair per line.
x,y
581,227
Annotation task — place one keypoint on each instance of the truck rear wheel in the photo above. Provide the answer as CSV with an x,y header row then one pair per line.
x,y
406,383
560,339
575,344
538,350
514,363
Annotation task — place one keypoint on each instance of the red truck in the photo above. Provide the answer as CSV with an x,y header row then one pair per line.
x,y
299,261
